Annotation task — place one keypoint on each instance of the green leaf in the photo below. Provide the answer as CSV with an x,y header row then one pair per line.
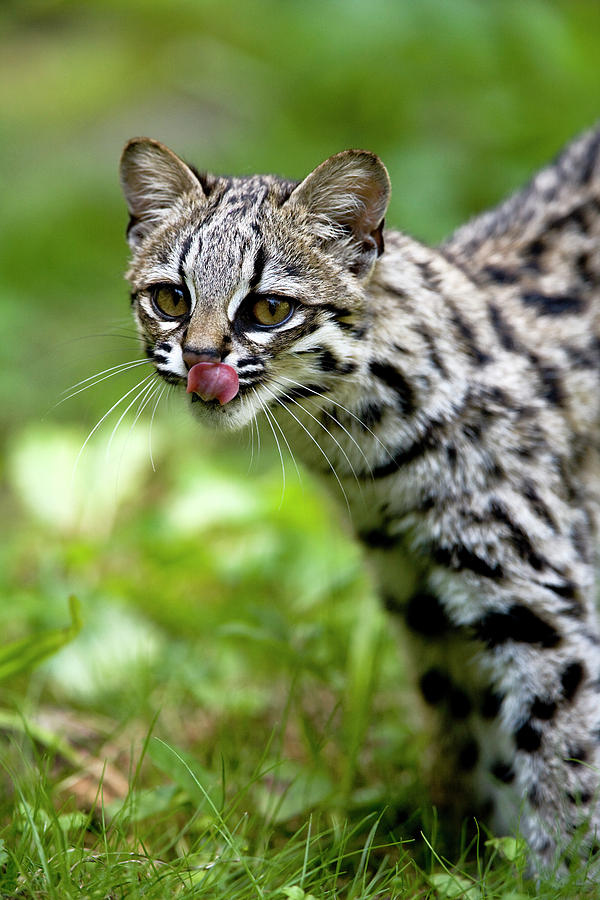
x,y
294,892
450,886
27,653
512,849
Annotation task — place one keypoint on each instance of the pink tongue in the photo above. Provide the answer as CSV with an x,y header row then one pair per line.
x,y
213,381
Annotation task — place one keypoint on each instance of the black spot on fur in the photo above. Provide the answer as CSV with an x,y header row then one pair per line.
x,y
434,356
580,541
370,415
299,393
576,755
553,304
569,592
583,268
537,504
468,756
402,457
459,704
395,380
291,270
468,337
490,704
518,537
543,709
459,558
430,276
329,363
518,624
425,615
536,248
580,798
570,679
503,772
501,276
435,686
451,455
528,738
553,390
504,331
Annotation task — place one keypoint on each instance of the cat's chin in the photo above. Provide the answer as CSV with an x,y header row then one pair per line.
x,y
227,417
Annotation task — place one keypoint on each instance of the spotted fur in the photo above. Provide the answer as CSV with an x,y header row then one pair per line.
x,y
452,395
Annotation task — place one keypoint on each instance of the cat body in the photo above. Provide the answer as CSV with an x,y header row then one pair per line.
x,y
451,398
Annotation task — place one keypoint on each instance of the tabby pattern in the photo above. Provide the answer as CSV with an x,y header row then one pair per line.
x,y
451,396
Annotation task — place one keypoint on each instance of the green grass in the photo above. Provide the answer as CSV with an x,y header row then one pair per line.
x,y
260,743
234,717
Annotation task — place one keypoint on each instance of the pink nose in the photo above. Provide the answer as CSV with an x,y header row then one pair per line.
x,y
213,381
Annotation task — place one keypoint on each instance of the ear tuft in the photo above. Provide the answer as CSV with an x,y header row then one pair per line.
x,y
153,178
347,197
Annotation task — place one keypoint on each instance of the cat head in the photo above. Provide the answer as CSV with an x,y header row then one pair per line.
x,y
256,284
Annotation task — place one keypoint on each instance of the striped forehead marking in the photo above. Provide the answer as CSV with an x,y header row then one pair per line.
x,y
248,285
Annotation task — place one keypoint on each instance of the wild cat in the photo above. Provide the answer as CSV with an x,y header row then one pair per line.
x,y
452,396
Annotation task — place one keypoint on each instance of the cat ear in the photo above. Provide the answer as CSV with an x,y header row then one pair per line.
x,y
153,178
347,196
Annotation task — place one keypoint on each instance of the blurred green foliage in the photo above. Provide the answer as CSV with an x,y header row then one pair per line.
x,y
461,99
243,618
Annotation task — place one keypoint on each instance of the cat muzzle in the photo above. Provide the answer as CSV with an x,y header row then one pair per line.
x,y
213,381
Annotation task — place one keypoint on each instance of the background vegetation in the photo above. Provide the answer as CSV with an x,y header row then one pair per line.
x,y
233,718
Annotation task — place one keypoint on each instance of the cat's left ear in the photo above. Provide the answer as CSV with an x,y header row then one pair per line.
x,y
347,197
153,178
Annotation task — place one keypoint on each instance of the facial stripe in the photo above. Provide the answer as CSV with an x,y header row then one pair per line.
x,y
183,253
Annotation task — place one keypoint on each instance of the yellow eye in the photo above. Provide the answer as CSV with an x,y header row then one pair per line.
x,y
270,311
170,301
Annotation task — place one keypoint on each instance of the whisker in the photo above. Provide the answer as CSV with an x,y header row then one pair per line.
x,y
145,395
105,416
287,444
129,362
315,442
268,418
150,395
334,439
337,422
243,400
342,407
142,393
160,396
96,379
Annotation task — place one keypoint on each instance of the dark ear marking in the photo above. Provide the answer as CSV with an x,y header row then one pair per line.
x,y
377,236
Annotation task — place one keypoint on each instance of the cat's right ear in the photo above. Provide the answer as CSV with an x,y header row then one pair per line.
x,y
153,178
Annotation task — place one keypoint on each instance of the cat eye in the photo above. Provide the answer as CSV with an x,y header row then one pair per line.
x,y
270,311
169,301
